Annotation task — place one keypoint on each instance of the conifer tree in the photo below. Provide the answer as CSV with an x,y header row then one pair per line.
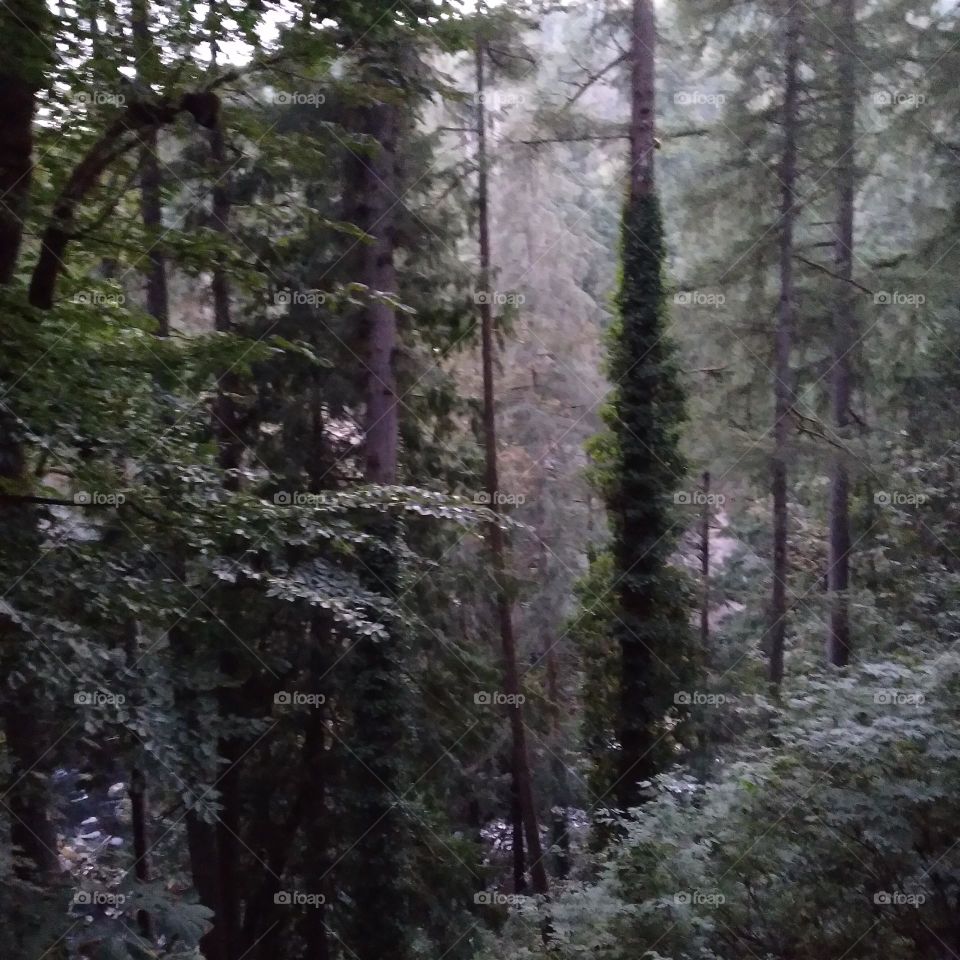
x,y
651,627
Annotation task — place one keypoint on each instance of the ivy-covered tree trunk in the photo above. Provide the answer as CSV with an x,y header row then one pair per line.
x,y
838,570
783,336
522,782
651,626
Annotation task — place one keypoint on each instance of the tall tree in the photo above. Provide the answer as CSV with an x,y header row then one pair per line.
x,y
380,898
651,628
522,784
32,830
783,389
838,560
151,181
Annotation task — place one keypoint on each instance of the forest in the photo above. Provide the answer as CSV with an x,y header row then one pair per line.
x,y
478,480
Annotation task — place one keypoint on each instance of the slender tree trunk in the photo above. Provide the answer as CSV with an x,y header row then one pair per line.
x,y
380,894
560,829
523,783
705,568
151,212
838,570
141,844
230,448
382,424
23,27
151,208
783,380
32,830
642,98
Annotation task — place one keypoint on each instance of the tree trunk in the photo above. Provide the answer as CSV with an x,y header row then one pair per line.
x,y
380,895
783,382
381,425
141,844
560,828
151,209
226,427
523,784
705,568
23,28
642,98
32,830
838,570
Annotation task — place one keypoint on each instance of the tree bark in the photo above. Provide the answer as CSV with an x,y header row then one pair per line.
x,y
705,568
32,830
141,844
642,98
151,209
523,783
20,78
380,894
560,827
783,383
838,569
381,425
